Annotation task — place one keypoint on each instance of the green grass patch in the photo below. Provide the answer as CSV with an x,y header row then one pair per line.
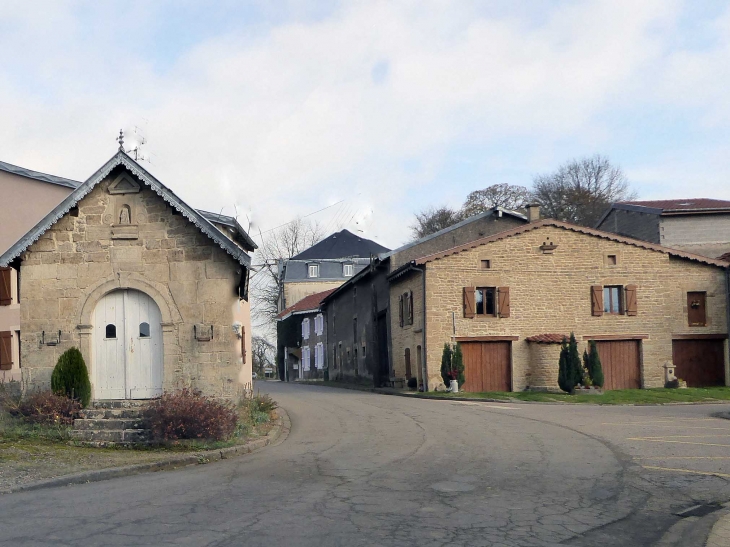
x,y
613,397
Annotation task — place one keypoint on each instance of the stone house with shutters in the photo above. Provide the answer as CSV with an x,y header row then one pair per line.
x,y
510,298
153,292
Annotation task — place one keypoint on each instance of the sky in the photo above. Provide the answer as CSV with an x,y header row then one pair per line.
x,y
365,112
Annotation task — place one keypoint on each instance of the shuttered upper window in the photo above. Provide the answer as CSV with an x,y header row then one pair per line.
x,y
6,294
6,350
613,300
486,301
697,309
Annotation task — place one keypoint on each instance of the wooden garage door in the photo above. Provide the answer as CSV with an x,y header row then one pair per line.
x,y
620,360
487,366
700,363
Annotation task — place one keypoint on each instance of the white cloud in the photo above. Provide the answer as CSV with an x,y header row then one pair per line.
x,y
280,119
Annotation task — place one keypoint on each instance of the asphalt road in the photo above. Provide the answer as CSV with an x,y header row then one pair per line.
x,y
367,469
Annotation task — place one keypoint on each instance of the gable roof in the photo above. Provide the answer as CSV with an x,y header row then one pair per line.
x,y
120,158
340,245
232,223
499,211
307,304
573,228
37,175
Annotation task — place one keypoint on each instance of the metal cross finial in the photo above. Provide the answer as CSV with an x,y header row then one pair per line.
x,y
120,140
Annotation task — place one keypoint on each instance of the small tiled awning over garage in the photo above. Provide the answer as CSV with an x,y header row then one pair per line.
x,y
621,363
487,365
699,362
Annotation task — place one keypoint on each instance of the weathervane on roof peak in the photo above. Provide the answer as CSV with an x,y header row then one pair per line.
x,y
120,140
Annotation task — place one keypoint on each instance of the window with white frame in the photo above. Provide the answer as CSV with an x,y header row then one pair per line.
x,y
348,270
305,329
313,270
319,324
305,358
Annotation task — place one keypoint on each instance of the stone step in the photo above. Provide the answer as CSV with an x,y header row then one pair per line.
x,y
114,435
108,424
112,413
121,403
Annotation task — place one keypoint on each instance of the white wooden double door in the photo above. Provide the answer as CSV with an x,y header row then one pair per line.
x,y
128,346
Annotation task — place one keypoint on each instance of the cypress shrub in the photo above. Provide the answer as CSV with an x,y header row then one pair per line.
x,y
564,376
570,368
575,363
446,358
71,378
593,365
457,365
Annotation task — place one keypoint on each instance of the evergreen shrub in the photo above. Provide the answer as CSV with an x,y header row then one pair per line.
x,y
593,364
70,377
570,368
446,357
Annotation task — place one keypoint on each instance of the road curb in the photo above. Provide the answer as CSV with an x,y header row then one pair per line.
x,y
720,533
416,395
279,431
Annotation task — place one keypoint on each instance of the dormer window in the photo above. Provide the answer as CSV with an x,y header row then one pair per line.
x,y
348,270
313,270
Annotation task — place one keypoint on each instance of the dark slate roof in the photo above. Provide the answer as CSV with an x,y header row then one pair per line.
x,y
690,204
307,304
232,223
342,244
120,158
495,211
36,175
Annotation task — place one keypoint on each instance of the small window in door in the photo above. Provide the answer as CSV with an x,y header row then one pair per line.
x,y
111,331
144,330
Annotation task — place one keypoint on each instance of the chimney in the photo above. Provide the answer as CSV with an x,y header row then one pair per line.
x,y
533,212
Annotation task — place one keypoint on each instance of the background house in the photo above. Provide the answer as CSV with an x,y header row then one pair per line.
x,y
302,339
153,293
27,196
510,298
696,225
324,266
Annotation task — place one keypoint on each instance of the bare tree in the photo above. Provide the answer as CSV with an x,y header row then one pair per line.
x,y
581,190
432,220
280,244
262,354
507,196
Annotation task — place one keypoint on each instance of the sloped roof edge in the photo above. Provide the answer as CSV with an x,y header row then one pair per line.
x,y
448,229
120,158
229,221
574,228
37,175
308,304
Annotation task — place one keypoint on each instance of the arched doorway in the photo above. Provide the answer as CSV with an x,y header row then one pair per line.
x,y
127,347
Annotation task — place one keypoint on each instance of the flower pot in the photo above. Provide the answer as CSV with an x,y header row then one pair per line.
x,y
454,386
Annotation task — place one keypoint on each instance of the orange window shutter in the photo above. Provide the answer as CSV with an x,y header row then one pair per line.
x,y
469,302
6,296
243,344
631,307
503,296
410,307
597,300
6,350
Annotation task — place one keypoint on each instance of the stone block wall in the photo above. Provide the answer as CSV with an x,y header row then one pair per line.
x,y
408,336
550,293
87,254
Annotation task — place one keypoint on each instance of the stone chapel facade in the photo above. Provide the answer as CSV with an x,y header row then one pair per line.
x,y
153,293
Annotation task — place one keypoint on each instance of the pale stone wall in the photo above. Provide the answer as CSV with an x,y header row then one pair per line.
x,y
543,369
10,321
192,280
550,293
295,291
408,336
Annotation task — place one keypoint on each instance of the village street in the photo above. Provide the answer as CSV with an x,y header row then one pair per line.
x,y
366,469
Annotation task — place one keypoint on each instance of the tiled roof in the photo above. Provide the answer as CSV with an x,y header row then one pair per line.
x,y
308,303
573,228
547,338
690,204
